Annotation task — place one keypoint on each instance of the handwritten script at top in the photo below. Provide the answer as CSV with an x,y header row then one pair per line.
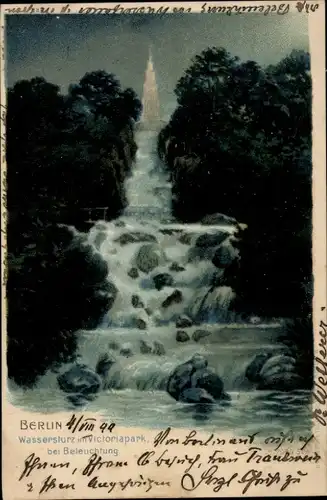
x,y
195,462
4,215
280,9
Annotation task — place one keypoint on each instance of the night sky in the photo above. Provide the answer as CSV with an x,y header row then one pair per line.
x,y
63,48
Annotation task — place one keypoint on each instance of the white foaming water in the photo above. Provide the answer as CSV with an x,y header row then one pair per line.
x,y
148,189
192,280
139,330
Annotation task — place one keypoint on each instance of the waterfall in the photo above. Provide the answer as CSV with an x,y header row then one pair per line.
x,y
148,189
164,285
171,304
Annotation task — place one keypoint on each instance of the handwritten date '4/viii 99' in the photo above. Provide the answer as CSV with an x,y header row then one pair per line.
x,y
88,424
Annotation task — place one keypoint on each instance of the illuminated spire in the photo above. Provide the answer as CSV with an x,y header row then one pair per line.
x,y
150,61
150,101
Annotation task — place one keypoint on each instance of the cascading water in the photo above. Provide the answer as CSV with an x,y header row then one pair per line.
x,y
148,243
148,189
167,308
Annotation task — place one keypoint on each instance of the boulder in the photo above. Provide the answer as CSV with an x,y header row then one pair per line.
x,y
158,348
200,334
135,237
276,364
111,292
268,372
218,219
275,371
104,364
211,240
105,295
208,380
148,311
80,379
175,298
196,309
196,395
225,255
126,351
180,379
137,302
139,323
212,304
284,382
183,322
253,370
200,253
163,279
168,231
175,267
133,273
145,347
182,336
198,361
148,257
194,382
185,238
80,399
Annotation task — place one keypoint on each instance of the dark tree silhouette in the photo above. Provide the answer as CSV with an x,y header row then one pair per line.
x,y
239,142
64,153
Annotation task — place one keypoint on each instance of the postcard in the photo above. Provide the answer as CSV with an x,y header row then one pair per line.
x,y
164,250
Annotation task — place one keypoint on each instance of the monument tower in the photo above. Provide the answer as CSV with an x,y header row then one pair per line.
x,y
150,119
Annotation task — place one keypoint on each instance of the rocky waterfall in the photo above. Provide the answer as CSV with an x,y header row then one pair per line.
x,y
170,334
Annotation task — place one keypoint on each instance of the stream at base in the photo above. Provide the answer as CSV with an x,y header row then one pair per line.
x,y
171,301
270,412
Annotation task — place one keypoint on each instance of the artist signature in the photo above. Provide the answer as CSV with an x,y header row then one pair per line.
x,y
320,385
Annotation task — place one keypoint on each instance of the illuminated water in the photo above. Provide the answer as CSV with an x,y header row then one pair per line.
x,y
137,396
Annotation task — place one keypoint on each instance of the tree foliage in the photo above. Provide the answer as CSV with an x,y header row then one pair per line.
x,y
248,130
64,153
68,152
